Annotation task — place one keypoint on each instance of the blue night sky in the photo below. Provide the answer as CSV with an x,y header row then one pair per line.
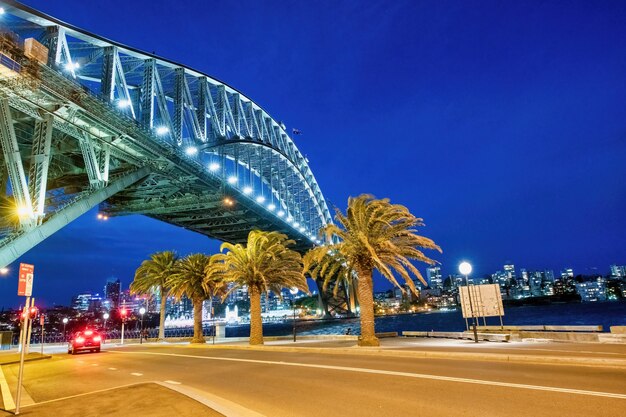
x,y
501,123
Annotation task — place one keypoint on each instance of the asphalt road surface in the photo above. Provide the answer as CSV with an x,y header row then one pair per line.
x,y
310,384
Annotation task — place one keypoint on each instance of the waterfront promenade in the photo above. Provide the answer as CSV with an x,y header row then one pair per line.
x,y
405,376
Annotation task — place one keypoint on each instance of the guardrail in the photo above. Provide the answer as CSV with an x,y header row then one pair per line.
x,y
540,328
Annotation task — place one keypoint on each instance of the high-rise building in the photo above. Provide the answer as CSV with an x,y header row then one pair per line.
x,y
594,290
435,280
567,273
509,272
86,302
618,271
112,291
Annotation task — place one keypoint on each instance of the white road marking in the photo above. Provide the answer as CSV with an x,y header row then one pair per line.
x,y
95,364
112,369
169,381
394,373
135,374
7,398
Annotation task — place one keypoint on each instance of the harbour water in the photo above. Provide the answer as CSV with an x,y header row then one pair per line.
x,y
605,314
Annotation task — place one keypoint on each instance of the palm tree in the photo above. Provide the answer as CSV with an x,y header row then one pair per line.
x,y
190,280
151,276
265,264
374,234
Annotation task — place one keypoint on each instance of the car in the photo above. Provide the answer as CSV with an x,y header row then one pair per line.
x,y
85,340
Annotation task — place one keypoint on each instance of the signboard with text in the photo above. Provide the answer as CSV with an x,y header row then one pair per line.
x,y
25,280
486,301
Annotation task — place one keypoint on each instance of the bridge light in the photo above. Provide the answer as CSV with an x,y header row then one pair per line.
x,y
302,229
296,224
232,179
290,219
280,213
260,199
229,201
191,150
122,104
4,270
72,66
24,212
271,207
214,166
1,10
247,190
162,130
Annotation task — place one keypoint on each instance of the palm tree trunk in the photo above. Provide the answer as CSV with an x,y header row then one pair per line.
x,y
162,316
256,323
197,322
366,305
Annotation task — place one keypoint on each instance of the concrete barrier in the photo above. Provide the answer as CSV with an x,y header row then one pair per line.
x,y
386,334
491,337
618,329
541,328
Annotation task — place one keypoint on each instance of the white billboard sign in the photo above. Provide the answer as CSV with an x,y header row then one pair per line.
x,y
486,301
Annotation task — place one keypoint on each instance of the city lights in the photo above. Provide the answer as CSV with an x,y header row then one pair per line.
x,y
228,201
102,216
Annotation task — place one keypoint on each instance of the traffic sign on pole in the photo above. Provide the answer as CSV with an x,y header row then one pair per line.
x,y
25,281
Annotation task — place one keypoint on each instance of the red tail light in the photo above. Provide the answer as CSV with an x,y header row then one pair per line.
x,y
80,340
88,333
97,338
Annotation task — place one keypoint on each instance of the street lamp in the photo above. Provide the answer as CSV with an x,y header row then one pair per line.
x,y
105,316
465,268
65,320
293,292
4,270
142,311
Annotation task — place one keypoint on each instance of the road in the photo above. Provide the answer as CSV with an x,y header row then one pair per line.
x,y
313,384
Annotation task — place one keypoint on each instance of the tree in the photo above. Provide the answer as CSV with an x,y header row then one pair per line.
x,y
374,235
264,264
152,276
191,280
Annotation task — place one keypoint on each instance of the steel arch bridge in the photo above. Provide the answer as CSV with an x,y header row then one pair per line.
x,y
85,121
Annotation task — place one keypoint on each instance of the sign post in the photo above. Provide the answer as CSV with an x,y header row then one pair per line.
x,y
24,289
42,320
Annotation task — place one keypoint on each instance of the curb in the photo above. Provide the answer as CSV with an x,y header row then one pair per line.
x,y
38,358
423,354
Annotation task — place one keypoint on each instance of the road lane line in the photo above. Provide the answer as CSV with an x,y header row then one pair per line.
x,y
7,398
112,369
393,373
169,381
136,374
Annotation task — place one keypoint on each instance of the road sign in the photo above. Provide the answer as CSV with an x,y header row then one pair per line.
x,y
25,280
42,319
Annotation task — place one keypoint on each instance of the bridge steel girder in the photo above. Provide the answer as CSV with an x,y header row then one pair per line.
x,y
130,109
15,247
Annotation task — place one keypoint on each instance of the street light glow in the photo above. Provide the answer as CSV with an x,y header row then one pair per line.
x,y
142,311
105,316
247,190
23,211
260,199
232,179
72,66
122,104
191,150
214,166
465,268
65,320
1,10
271,207
280,213
4,270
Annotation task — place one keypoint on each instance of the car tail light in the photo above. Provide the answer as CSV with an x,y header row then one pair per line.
x,y
88,333
80,340
97,338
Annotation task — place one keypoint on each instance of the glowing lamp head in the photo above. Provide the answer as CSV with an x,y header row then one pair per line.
x,y
123,104
232,179
293,291
260,199
271,207
191,151
105,316
142,311
280,213
214,166
65,320
247,190
4,270
465,268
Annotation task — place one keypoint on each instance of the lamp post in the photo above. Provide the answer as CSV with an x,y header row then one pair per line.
x,y
142,311
65,320
293,292
465,268
105,316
